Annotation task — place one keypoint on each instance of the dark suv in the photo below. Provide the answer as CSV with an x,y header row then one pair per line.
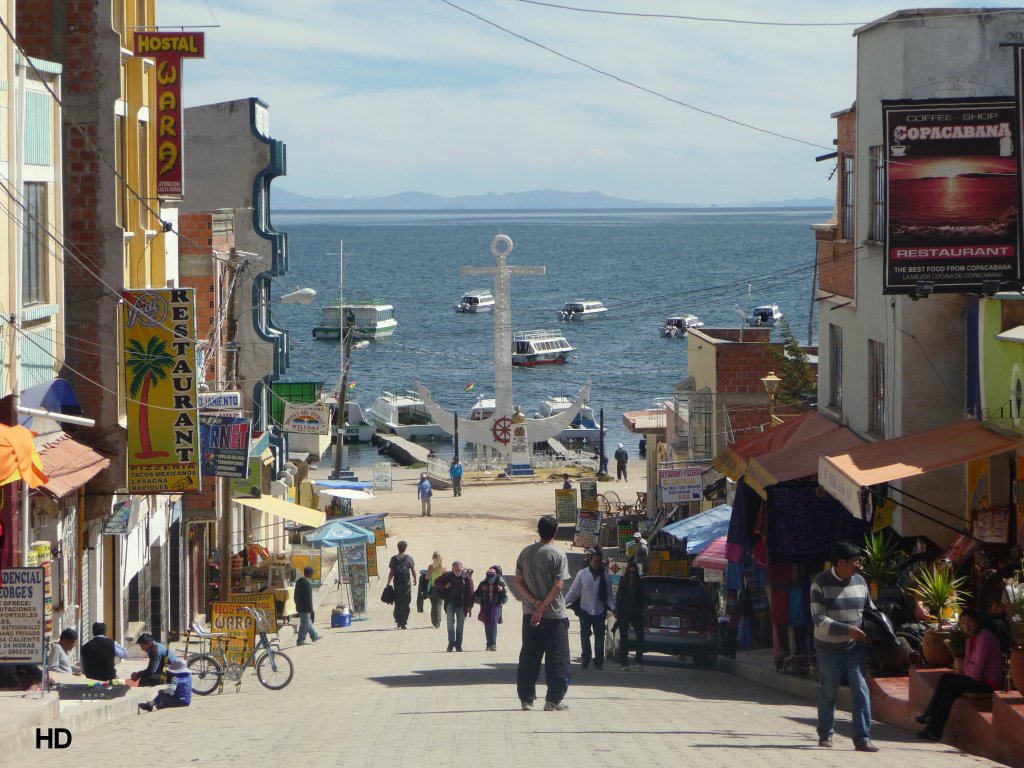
x,y
679,619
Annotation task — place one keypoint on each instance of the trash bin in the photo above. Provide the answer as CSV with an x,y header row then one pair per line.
x,y
341,618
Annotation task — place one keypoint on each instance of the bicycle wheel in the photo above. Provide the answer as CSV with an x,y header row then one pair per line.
x,y
274,674
207,673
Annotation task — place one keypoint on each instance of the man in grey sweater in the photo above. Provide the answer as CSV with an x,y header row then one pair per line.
x,y
838,599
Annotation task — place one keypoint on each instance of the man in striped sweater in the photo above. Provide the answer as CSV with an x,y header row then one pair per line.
x,y
838,599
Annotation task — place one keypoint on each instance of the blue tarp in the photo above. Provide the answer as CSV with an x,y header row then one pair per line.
x,y
700,530
338,533
351,485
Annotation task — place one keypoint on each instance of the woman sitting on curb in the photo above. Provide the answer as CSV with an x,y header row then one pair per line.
x,y
983,673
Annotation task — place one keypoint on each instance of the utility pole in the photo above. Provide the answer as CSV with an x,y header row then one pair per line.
x,y
344,342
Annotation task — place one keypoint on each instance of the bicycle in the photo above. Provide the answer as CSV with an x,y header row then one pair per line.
x,y
273,669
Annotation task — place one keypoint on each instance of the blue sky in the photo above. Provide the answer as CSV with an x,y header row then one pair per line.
x,y
374,97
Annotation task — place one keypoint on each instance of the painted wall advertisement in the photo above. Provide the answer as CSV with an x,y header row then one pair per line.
x,y
951,194
160,380
168,49
22,617
679,485
306,419
224,442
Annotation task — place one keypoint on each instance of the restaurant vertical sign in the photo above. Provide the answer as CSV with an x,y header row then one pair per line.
x,y
169,49
160,383
951,195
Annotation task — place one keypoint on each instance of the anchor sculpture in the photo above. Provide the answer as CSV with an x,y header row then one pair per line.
x,y
507,431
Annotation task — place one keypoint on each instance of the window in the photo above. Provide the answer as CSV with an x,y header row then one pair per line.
x,y
835,353
144,160
121,148
876,393
849,196
33,251
877,232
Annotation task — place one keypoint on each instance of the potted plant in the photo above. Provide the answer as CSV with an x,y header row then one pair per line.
x,y
957,644
938,589
882,561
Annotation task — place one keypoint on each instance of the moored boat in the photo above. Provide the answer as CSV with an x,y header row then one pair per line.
x,y
405,415
582,310
678,325
367,320
766,314
475,301
584,428
540,347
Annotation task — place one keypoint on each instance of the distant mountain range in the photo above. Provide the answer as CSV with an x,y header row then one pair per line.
x,y
539,199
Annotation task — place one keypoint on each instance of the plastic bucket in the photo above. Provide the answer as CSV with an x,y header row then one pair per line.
x,y
341,619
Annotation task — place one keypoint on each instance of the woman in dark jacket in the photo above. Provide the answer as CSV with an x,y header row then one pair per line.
x,y
629,604
491,594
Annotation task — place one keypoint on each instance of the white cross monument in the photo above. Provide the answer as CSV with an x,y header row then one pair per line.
x,y
505,431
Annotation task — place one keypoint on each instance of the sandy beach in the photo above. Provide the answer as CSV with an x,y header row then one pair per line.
x,y
488,524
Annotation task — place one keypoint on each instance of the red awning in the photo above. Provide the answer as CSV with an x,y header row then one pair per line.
x,y
70,465
732,462
713,556
797,460
844,475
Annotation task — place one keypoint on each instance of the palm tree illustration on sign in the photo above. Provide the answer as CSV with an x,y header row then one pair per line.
x,y
147,364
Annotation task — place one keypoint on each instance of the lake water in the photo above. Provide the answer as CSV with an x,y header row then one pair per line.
x,y
643,265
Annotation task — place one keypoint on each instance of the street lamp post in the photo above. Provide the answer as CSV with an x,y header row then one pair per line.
x,y
771,384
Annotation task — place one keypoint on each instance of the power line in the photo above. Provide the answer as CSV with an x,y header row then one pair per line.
x,y
632,84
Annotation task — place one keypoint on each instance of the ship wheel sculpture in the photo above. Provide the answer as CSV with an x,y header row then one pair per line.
x,y
501,430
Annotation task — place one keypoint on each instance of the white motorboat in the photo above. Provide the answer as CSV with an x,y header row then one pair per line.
x,y
531,348
405,415
584,427
581,310
767,314
482,409
677,325
367,320
475,301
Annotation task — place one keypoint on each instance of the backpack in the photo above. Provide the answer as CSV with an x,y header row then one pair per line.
x,y
403,574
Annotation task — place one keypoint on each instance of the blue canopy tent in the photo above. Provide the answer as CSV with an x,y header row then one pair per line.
x,y
338,533
700,530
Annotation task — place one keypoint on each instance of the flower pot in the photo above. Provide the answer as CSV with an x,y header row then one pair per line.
x,y
1017,668
934,649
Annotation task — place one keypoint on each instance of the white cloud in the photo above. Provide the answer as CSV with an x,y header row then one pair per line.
x,y
379,97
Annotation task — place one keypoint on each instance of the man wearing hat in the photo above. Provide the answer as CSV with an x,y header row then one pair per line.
x,y
639,552
621,458
593,588
178,693
304,606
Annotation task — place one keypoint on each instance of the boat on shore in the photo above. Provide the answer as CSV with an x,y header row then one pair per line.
x,y
677,325
482,409
582,310
475,301
405,415
584,428
365,320
540,347
765,315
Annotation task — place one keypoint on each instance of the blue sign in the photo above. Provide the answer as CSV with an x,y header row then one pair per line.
x,y
224,445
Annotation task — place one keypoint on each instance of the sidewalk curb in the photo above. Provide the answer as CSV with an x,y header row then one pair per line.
x,y
798,687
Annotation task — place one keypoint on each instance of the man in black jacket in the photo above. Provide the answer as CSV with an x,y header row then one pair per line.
x,y
99,653
304,606
456,586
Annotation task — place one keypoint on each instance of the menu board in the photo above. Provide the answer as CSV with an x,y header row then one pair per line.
x,y
588,495
588,529
991,524
565,505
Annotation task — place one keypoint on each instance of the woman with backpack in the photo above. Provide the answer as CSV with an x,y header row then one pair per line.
x,y
491,594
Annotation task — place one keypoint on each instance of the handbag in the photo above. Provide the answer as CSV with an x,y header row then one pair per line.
x,y
574,606
388,595
878,628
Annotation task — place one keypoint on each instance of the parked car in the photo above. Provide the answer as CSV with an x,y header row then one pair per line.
x,y
680,619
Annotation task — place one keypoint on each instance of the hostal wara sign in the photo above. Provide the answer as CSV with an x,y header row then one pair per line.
x,y
951,192
168,49
160,383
